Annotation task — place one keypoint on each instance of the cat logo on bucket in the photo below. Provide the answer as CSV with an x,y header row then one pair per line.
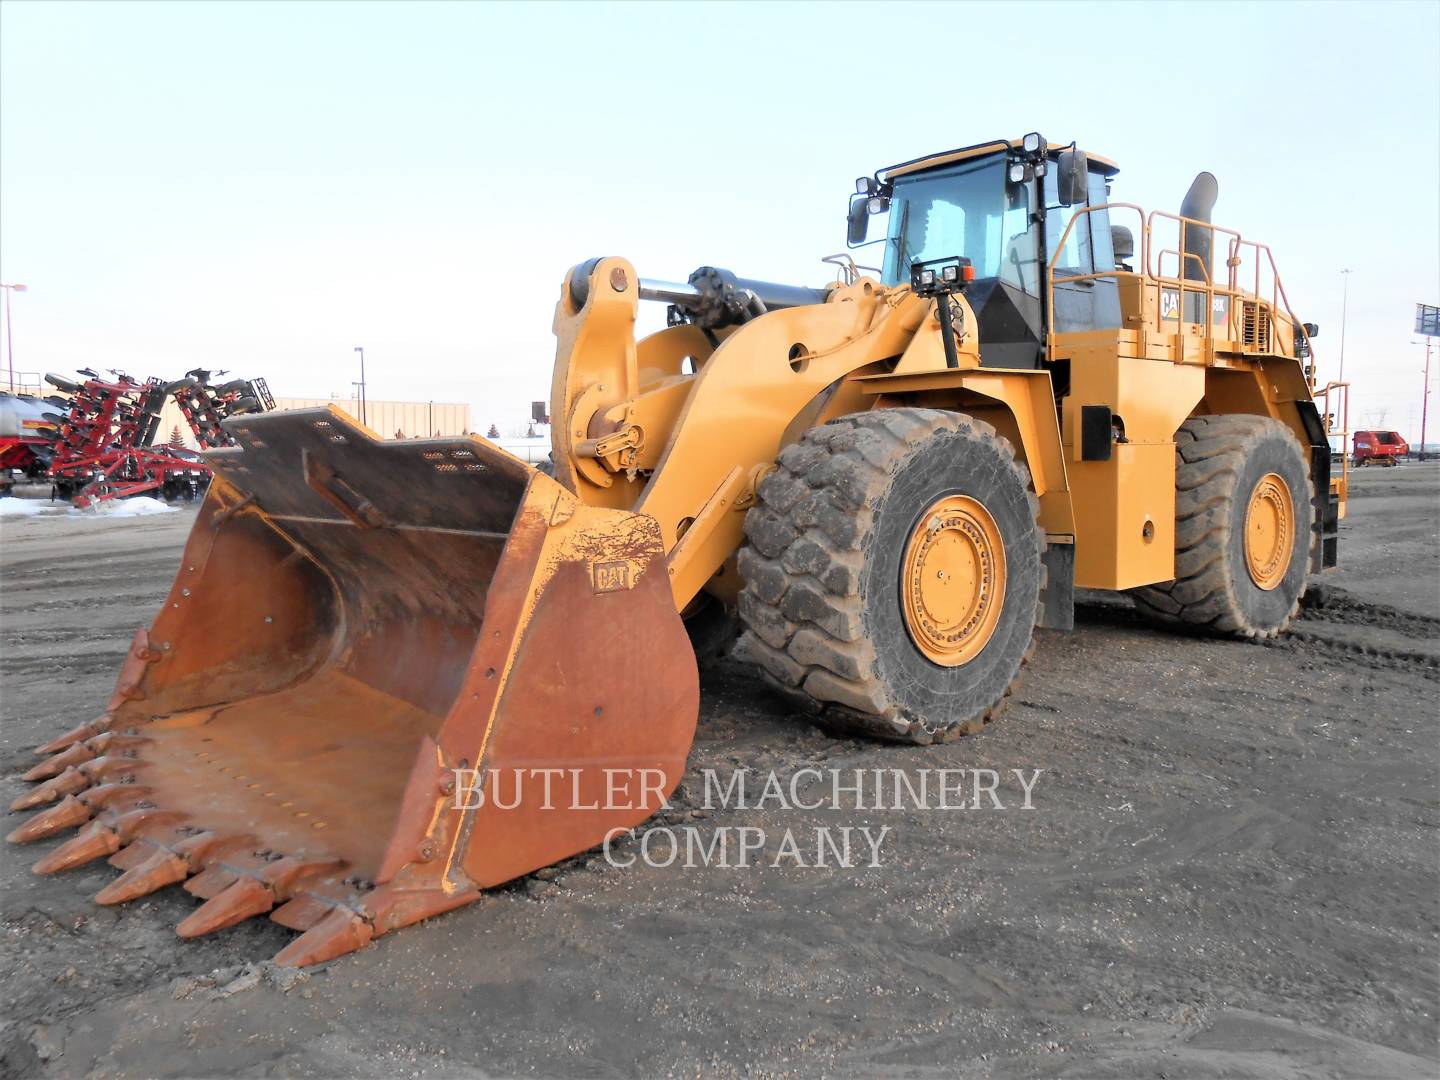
x,y
610,576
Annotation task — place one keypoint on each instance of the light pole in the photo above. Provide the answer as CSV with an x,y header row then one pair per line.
x,y
1344,307
1425,397
9,338
361,350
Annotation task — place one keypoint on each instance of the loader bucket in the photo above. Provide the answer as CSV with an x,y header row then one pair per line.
x,y
389,674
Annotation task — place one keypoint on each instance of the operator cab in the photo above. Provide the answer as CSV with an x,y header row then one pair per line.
x,y
984,204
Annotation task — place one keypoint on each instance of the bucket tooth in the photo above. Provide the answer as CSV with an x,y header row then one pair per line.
x,y
211,882
161,868
69,782
76,734
54,766
102,795
201,849
132,855
93,842
128,822
186,844
242,899
65,814
302,912
101,767
285,874
340,932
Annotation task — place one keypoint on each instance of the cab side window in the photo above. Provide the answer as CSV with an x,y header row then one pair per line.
x,y
1077,257
1020,264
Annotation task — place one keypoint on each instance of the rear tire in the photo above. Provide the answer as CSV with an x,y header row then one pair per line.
x,y
844,539
1231,472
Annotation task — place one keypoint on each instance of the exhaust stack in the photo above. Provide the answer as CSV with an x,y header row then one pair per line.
x,y
1198,203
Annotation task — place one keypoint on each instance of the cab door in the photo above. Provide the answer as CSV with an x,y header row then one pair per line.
x,y
1090,303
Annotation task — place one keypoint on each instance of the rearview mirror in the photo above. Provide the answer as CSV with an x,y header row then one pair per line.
x,y
1072,180
859,221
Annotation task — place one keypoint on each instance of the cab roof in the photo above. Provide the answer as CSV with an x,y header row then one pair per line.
x,y
965,153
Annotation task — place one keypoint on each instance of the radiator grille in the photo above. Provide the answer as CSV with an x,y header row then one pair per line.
x,y
1255,326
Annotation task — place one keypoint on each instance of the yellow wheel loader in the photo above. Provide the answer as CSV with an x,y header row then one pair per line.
x,y
392,674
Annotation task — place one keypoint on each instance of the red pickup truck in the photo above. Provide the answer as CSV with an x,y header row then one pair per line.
x,y
1379,447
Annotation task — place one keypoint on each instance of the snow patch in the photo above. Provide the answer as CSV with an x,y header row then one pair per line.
x,y
139,506
17,507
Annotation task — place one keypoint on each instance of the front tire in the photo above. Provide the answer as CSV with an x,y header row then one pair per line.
x,y
1244,529
892,570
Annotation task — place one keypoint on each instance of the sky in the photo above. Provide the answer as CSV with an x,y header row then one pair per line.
x,y
261,187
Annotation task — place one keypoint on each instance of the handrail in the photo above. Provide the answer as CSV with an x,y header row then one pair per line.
x,y
1180,257
1181,284
24,380
1278,299
1342,396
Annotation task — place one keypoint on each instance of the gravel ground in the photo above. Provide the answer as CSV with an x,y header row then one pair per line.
x,y
1229,868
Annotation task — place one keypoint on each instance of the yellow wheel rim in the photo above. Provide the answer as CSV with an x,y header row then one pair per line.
x,y
1269,531
953,580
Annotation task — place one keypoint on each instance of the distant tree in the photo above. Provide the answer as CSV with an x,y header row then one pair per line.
x,y
176,439
493,433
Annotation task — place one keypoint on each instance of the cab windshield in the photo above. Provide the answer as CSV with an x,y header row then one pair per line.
x,y
966,209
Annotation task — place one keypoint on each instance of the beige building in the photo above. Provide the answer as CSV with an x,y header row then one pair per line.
x,y
385,418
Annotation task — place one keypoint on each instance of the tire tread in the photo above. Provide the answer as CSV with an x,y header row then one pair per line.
x,y
1210,453
802,563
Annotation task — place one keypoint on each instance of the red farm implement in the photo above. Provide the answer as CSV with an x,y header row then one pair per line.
x,y
204,406
104,435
